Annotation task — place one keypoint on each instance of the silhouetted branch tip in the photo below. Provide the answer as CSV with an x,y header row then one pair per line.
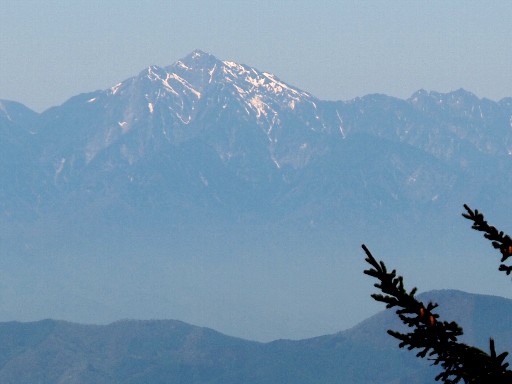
x,y
435,339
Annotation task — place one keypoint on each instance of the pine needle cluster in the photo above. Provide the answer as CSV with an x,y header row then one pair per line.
x,y
438,340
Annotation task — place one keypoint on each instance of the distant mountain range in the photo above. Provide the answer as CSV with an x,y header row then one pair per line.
x,y
169,351
215,138
216,193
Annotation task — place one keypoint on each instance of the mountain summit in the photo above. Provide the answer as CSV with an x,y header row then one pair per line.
x,y
243,140
211,162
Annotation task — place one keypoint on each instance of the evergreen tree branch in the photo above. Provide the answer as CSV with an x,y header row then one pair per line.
x,y
498,239
436,340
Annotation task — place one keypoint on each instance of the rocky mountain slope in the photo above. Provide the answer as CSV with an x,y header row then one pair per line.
x,y
207,185
217,136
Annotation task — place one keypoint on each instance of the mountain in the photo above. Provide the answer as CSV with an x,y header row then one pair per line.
x,y
16,121
213,130
207,185
217,136
169,351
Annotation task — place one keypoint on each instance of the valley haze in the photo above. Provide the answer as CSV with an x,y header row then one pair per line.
x,y
215,193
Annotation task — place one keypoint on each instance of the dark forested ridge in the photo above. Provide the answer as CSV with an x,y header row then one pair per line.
x,y
169,351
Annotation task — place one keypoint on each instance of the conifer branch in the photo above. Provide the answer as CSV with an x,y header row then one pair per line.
x,y
498,239
436,340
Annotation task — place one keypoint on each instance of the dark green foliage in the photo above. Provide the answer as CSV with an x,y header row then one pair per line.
x,y
499,240
439,340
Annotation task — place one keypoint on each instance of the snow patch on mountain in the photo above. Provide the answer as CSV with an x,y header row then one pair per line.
x,y
116,88
258,105
185,84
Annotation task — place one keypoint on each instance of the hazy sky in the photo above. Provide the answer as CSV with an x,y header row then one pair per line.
x,y
54,49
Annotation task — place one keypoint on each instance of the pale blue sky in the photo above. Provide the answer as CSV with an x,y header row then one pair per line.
x,y
54,49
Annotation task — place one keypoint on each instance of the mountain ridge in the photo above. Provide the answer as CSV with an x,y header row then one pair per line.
x,y
250,178
279,151
172,351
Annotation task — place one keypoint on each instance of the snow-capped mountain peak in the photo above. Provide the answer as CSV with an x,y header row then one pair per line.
x,y
200,96
202,124
202,78
248,117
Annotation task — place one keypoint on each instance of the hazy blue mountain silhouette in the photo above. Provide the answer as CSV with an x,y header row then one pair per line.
x,y
174,352
209,165
224,138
